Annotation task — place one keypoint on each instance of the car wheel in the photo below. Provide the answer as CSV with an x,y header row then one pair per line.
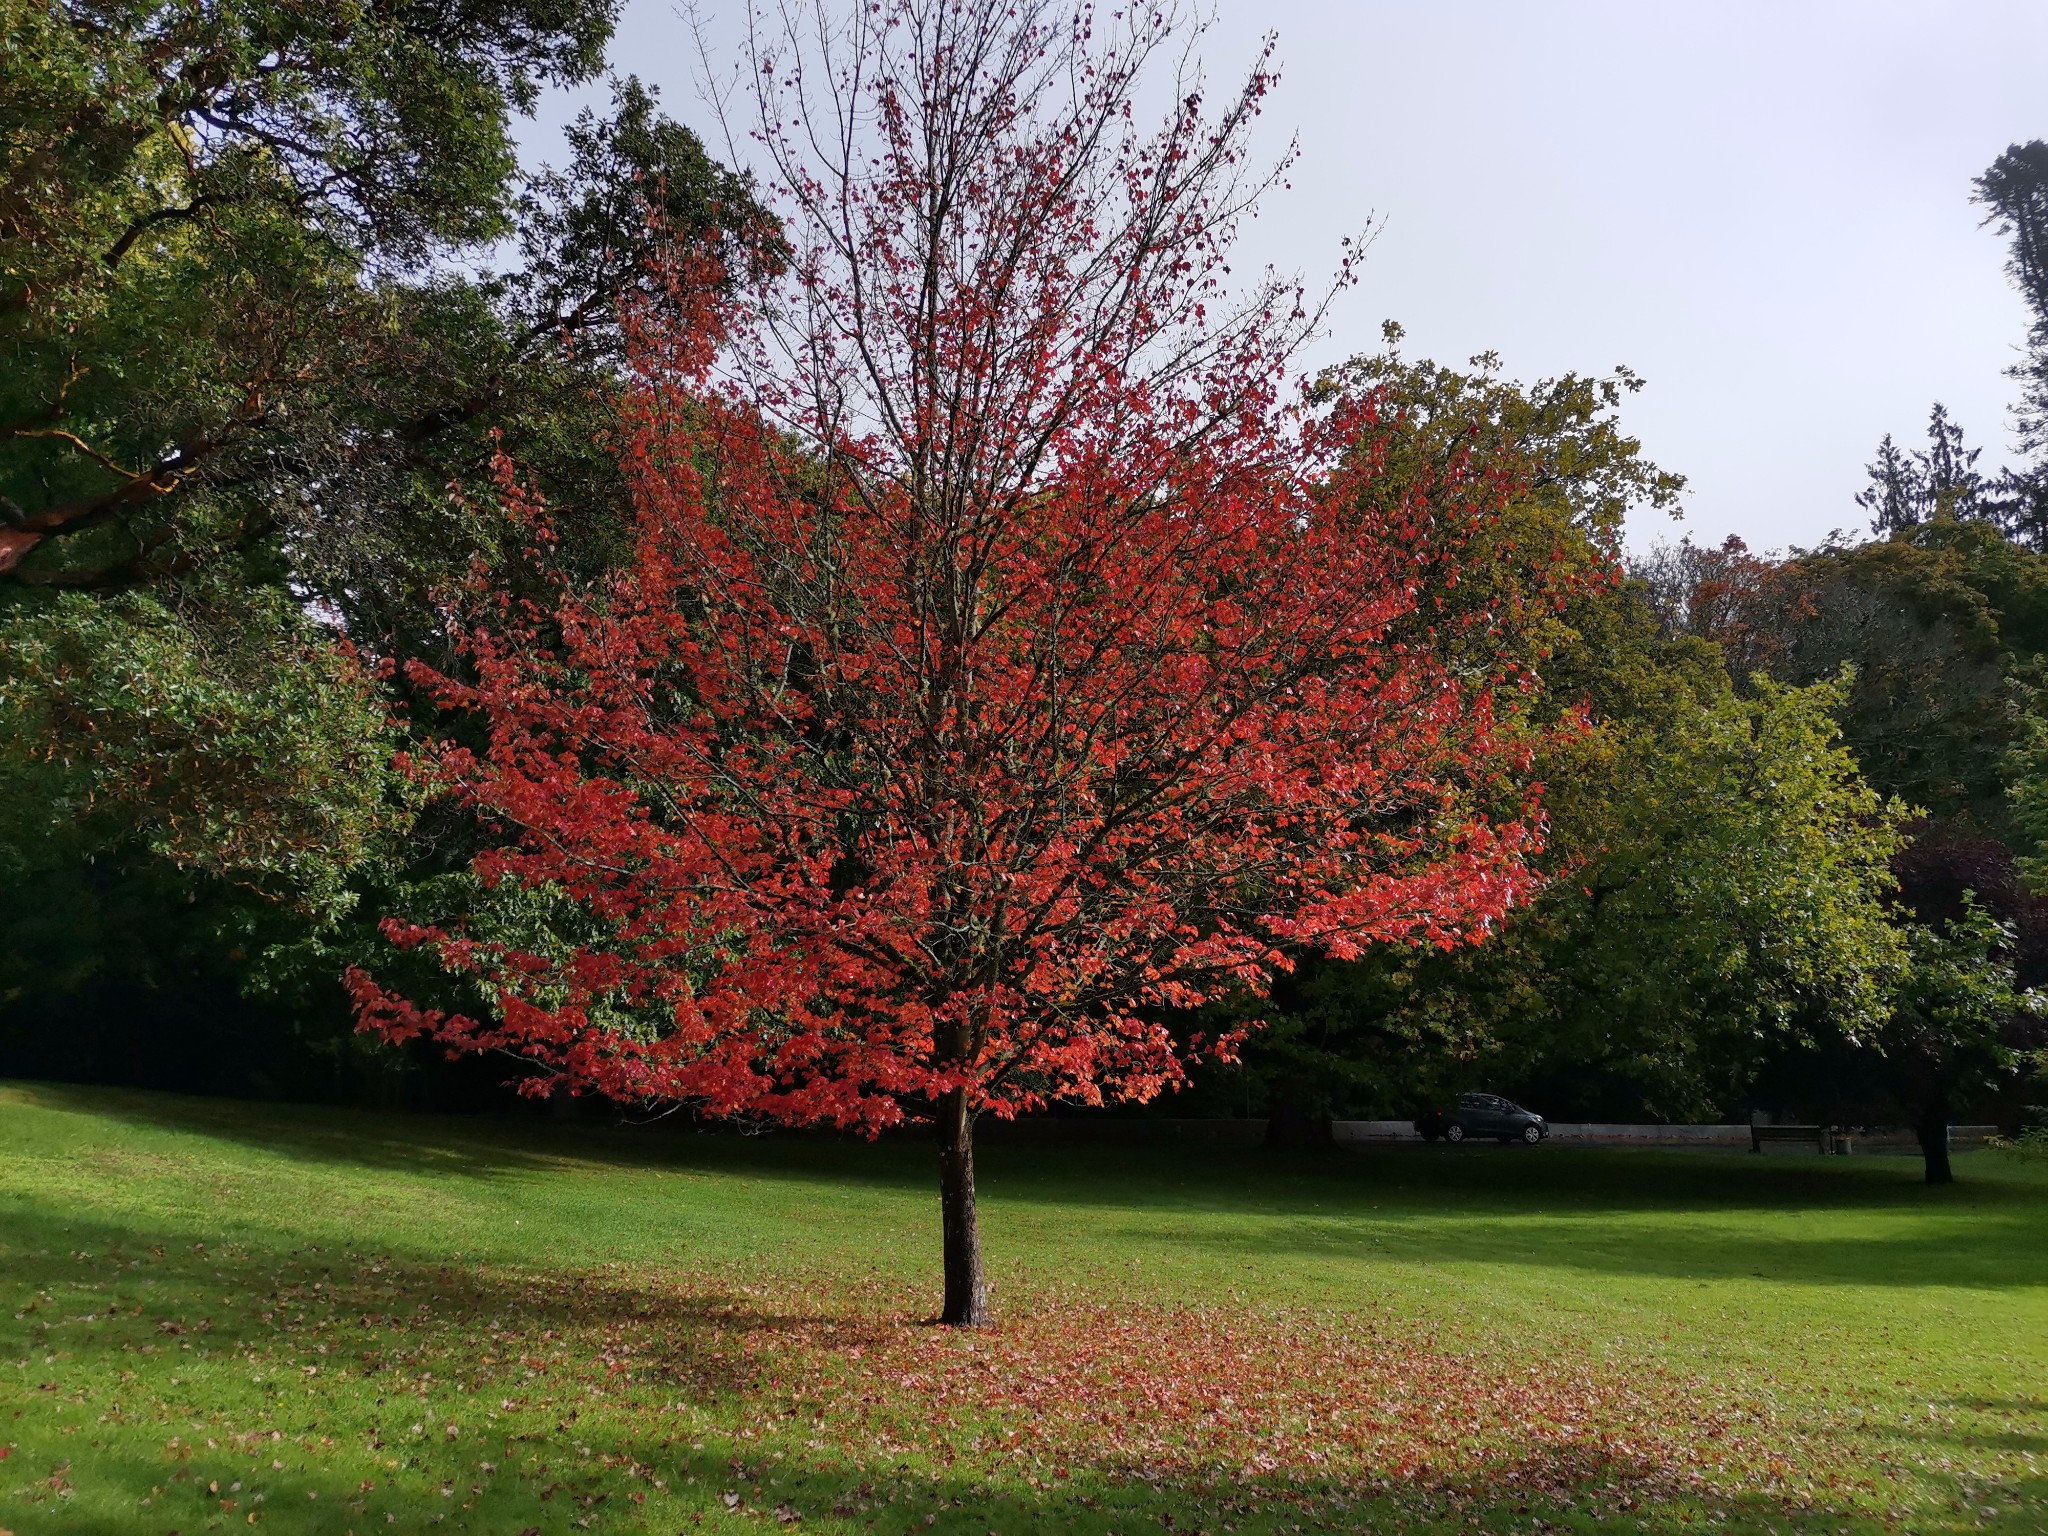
x,y
1454,1133
1532,1134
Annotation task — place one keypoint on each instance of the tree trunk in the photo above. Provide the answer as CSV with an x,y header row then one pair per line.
x,y
1934,1140
966,1286
1291,1124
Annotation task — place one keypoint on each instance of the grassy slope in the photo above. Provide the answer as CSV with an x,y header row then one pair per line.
x,y
401,1324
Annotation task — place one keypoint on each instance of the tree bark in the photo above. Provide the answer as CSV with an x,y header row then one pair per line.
x,y
1933,1130
1291,1124
966,1303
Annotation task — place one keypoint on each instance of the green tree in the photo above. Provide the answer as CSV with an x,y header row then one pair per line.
x,y
2013,191
1946,627
1938,483
198,209
1721,892
1545,566
271,283
244,367
1574,476
1730,892
238,740
1719,866
231,242
1944,1037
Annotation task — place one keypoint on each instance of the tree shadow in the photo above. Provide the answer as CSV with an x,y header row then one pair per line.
x,y
1487,1180
682,1489
1962,1462
1568,1209
2003,1253
318,1134
489,1147
165,1375
1181,1176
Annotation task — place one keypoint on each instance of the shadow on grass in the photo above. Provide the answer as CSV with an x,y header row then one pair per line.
x,y
372,1316
692,1491
168,1382
1504,1180
1983,1253
165,1375
1584,1210
1661,1214
1953,1458
491,1147
1187,1176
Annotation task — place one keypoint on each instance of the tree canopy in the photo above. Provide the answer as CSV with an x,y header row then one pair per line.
x,y
1002,658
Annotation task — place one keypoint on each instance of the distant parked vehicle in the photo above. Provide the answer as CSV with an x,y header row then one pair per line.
x,y
1483,1114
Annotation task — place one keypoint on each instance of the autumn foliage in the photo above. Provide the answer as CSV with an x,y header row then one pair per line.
x,y
1005,662
1180,738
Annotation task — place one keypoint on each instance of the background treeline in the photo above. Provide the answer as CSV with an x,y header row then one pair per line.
x,y
278,305
1797,855
273,293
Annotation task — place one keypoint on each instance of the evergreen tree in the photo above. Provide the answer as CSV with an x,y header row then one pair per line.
x,y
2014,193
1953,488
1893,499
1936,484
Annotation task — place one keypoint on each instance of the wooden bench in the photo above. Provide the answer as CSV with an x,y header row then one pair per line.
x,y
1819,1135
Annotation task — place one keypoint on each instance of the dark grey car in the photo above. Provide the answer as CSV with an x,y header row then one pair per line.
x,y
1484,1114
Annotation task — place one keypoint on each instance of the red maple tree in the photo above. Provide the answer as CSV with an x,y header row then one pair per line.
x,y
1003,664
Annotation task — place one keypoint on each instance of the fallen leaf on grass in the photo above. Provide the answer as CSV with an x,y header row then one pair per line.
x,y
1297,1397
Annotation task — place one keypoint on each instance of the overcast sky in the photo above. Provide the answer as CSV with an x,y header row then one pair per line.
x,y
1763,208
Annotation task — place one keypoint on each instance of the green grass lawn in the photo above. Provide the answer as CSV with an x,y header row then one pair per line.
x,y
215,1315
